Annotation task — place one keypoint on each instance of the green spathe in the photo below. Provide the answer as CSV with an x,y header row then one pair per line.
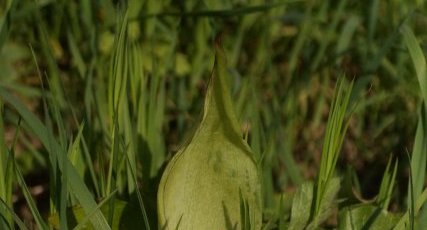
x,y
205,182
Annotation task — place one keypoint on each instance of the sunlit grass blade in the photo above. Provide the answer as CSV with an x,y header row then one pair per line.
x,y
334,137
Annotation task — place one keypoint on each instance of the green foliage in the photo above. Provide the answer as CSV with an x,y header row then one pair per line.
x,y
301,203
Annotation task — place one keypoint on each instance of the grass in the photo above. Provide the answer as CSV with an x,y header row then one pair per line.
x,y
100,96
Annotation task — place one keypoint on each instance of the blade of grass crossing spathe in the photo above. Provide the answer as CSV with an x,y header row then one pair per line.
x,y
245,219
77,186
334,137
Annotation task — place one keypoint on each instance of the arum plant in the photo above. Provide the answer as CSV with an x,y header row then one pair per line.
x,y
213,181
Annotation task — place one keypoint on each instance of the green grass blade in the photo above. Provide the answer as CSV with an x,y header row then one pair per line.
x,y
77,185
15,217
31,203
334,137
6,21
5,175
387,185
418,58
419,152
83,223
138,193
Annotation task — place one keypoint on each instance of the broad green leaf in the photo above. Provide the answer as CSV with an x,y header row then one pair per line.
x,y
366,216
204,183
328,202
301,205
